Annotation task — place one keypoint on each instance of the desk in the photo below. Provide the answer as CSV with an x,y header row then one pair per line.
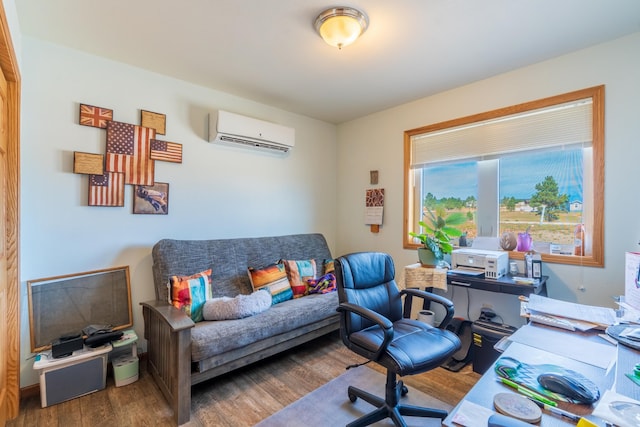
x,y
426,277
505,284
487,387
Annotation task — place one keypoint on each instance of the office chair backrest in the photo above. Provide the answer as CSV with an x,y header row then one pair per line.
x,y
367,279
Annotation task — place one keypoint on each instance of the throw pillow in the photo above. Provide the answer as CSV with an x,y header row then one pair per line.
x,y
240,306
323,285
188,293
273,278
298,272
328,266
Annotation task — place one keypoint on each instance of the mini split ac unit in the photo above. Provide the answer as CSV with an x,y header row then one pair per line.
x,y
230,128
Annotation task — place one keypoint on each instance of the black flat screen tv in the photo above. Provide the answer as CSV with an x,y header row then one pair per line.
x,y
65,305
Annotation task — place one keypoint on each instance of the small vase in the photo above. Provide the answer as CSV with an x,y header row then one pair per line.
x,y
524,242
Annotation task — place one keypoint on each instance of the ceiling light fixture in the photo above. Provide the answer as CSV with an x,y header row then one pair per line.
x,y
341,26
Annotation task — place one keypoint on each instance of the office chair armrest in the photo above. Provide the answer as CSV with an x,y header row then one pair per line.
x,y
385,324
431,297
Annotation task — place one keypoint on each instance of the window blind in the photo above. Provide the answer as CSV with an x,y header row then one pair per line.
x,y
548,127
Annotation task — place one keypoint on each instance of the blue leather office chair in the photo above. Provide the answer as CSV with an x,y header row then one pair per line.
x,y
372,324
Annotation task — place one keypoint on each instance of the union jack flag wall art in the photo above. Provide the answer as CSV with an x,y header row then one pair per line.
x,y
95,116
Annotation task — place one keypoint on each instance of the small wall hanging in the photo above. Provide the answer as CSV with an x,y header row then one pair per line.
x,y
106,189
95,116
151,199
374,206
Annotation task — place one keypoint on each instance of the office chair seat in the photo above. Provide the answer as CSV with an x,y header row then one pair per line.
x,y
416,347
373,324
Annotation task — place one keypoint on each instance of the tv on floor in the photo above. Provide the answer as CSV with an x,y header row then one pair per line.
x,y
65,305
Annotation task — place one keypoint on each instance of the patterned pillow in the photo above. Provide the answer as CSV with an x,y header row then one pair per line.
x,y
328,266
298,272
188,293
274,278
323,285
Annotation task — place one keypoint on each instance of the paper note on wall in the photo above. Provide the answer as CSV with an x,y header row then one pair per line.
x,y
374,206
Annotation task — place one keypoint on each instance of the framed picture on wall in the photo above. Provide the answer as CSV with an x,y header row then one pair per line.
x,y
151,199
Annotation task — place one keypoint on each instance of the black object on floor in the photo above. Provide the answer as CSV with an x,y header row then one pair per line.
x,y
462,328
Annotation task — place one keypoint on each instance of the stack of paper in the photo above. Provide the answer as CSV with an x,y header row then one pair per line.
x,y
568,315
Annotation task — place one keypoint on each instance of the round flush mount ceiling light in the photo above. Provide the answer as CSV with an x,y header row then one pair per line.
x,y
341,26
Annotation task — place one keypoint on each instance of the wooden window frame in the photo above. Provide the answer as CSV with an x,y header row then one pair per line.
x,y
596,93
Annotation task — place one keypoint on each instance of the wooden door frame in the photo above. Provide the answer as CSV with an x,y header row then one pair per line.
x,y
9,66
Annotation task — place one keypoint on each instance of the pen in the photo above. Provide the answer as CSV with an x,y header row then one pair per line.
x,y
529,393
557,411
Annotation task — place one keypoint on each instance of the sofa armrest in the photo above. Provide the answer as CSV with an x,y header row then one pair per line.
x,y
168,334
176,319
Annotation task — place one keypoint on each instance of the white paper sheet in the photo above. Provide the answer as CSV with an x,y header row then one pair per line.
x,y
471,415
588,313
565,344
373,215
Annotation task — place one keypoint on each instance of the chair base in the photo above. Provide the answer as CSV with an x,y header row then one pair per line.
x,y
390,406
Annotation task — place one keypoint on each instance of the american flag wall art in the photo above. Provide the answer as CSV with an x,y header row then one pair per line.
x,y
106,189
128,151
166,151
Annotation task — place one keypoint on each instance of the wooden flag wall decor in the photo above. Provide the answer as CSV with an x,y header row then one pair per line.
x,y
166,151
128,150
106,189
95,116
153,120
88,163
130,155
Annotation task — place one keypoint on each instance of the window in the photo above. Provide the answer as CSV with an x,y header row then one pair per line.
x,y
537,166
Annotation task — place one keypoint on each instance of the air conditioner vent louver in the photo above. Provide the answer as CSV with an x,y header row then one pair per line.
x,y
258,144
234,129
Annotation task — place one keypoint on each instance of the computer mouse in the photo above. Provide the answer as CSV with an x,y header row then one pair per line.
x,y
570,386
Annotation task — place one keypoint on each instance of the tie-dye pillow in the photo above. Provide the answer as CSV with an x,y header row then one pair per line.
x,y
189,293
298,272
273,278
323,285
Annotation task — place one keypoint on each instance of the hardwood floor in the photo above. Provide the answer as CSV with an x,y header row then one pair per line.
x,y
240,398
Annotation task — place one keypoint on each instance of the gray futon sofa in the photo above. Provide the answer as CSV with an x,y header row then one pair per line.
x,y
182,353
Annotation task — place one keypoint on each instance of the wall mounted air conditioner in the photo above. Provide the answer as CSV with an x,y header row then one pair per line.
x,y
231,128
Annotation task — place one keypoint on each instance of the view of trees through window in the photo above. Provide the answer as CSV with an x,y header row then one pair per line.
x,y
539,192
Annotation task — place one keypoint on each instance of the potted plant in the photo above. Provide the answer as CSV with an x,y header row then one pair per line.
x,y
437,231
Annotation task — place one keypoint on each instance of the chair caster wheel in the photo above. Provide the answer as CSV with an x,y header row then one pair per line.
x,y
353,398
404,390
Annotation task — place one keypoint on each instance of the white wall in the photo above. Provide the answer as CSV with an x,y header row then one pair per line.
x,y
376,142
217,192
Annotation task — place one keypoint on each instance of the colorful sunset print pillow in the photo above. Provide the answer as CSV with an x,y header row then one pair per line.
x,y
189,293
273,278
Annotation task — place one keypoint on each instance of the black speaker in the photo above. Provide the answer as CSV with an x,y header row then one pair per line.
x,y
98,339
65,346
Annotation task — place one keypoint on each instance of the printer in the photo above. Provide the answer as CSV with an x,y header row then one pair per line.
x,y
494,264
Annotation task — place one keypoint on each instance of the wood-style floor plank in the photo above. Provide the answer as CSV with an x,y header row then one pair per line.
x,y
238,399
